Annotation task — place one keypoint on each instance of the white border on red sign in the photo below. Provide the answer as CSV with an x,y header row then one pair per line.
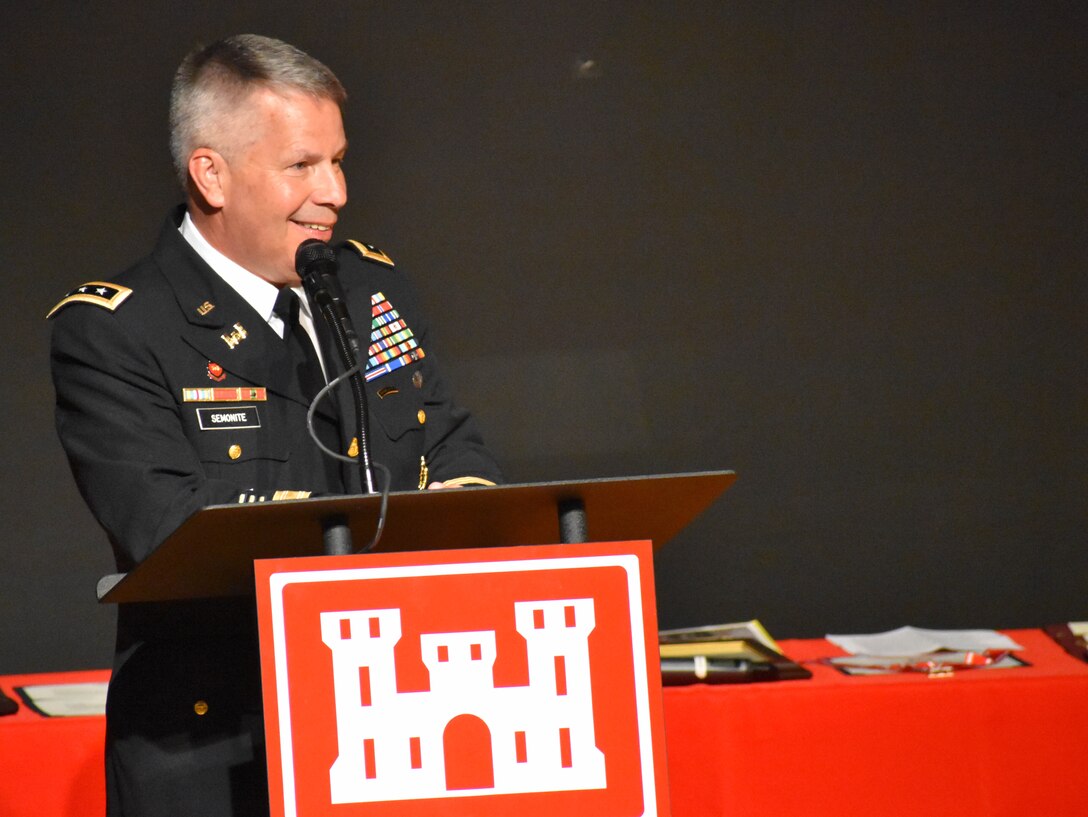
x,y
628,562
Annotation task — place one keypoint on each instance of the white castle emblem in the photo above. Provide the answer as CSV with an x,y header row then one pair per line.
x,y
411,745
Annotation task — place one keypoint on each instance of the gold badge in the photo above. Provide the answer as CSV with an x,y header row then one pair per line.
x,y
237,336
205,308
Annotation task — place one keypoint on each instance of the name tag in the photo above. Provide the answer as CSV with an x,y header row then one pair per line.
x,y
213,419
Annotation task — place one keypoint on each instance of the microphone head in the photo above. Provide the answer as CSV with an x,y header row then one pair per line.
x,y
314,256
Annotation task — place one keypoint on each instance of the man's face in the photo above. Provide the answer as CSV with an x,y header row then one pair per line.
x,y
283,181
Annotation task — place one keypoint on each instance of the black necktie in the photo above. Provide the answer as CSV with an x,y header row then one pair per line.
x,y
303,355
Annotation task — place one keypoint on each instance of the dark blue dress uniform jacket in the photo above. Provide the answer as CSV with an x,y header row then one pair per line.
x,y
183,715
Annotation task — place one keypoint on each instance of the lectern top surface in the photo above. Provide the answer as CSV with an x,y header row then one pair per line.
x,y
212,554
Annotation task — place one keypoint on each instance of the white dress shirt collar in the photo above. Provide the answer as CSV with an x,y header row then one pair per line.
x,y
256,291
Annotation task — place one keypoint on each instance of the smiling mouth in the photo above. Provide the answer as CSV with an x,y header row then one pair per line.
x,y
321,228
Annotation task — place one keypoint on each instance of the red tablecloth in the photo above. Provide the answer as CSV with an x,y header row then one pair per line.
x,y
983,742
51,767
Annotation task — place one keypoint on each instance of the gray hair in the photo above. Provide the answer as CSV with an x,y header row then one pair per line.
x,y
213,81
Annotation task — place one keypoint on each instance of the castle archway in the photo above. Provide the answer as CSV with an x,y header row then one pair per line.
x,y
466,744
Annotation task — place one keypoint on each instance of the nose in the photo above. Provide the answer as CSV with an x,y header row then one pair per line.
x,y
330,186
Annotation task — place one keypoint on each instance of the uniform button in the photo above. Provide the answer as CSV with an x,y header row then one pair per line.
x,y
201,707
422,416
234,452
417,380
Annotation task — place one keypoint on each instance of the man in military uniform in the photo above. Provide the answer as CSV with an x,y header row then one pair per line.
x,y
177,388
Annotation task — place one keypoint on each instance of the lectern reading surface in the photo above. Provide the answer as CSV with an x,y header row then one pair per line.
x,y
212,553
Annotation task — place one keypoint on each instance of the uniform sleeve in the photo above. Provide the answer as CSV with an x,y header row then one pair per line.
x,y
121,430
454,449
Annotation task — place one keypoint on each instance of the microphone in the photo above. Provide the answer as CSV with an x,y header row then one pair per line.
x,y
316,265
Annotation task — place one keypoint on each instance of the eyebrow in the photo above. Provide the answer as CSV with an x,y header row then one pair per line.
x,y
303,155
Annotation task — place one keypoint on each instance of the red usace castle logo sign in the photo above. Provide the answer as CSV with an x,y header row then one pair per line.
x,y
508,681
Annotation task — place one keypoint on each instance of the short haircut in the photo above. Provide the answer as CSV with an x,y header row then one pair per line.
x,y
213,81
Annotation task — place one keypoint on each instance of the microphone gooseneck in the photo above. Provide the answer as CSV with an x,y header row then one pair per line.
x,y
316,265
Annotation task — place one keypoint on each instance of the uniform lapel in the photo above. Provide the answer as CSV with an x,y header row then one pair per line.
x,y
222,326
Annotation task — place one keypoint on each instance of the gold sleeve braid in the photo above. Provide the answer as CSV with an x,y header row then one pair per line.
x,y
457,481
425,472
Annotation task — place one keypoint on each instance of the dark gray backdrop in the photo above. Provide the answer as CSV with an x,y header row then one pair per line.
x,y
839,247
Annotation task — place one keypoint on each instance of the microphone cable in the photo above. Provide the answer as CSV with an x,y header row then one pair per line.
x,y
379,528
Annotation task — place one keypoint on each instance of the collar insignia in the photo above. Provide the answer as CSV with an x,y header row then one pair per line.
x,y
239,334
371,253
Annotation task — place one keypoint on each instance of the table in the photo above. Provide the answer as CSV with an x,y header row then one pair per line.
x,y
51,766
982,742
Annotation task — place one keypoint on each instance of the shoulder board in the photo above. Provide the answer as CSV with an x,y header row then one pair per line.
x,y
370,253
99,293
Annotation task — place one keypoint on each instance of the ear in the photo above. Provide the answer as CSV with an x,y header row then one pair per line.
x,y
209,175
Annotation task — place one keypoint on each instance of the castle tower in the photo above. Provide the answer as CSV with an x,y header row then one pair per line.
x,y
365,680
563,743
460,661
